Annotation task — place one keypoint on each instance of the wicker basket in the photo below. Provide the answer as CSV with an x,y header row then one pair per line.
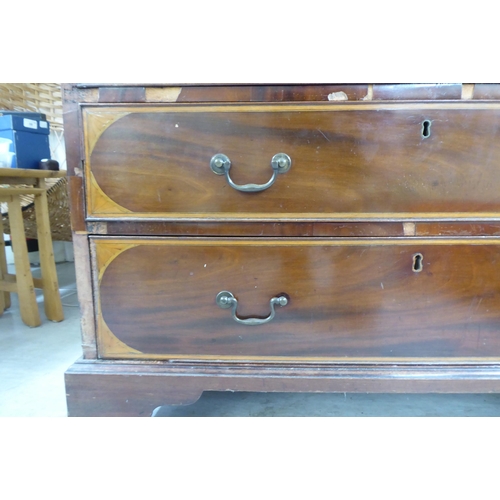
x,y
57,200
41,98
36,97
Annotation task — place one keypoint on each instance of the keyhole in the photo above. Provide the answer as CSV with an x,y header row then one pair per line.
x,y
426,128
418,262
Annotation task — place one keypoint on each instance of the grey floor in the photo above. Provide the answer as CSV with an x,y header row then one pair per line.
x,y
33,361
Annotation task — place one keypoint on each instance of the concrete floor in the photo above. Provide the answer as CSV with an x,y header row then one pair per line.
x,y
33,362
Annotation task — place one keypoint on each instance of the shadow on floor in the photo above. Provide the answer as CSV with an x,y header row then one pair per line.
x,y
249,404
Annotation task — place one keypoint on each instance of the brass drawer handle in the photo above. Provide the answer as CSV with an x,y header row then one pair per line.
x,y
225,300
280,163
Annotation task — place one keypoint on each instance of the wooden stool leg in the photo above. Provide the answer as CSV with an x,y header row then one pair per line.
x,y
4,296
52,297
24,278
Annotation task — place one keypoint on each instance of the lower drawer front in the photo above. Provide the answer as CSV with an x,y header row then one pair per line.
x,y
346,299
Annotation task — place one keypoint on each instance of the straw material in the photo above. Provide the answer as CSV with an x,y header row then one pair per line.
x,y
36,97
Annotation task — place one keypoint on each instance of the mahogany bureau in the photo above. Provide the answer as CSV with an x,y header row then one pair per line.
x,y
325,238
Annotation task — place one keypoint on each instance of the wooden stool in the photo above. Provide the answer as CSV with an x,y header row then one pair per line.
x,y
23,282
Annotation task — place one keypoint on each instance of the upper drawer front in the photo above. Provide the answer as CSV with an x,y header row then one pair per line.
x,y
348,161
347,299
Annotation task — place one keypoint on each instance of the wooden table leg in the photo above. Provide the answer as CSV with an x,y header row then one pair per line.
x,y
24,278
51,295
4,296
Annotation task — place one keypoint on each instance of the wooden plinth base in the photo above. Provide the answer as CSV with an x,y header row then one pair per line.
x,y
135,389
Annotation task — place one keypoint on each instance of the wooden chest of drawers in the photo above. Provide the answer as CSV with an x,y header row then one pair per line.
x,y
328,238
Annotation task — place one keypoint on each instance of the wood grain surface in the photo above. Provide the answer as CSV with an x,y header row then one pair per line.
x,y
487,91
130,389
258,229
385,241
299,229
351,299
417,91
126,93
271,93
349,162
